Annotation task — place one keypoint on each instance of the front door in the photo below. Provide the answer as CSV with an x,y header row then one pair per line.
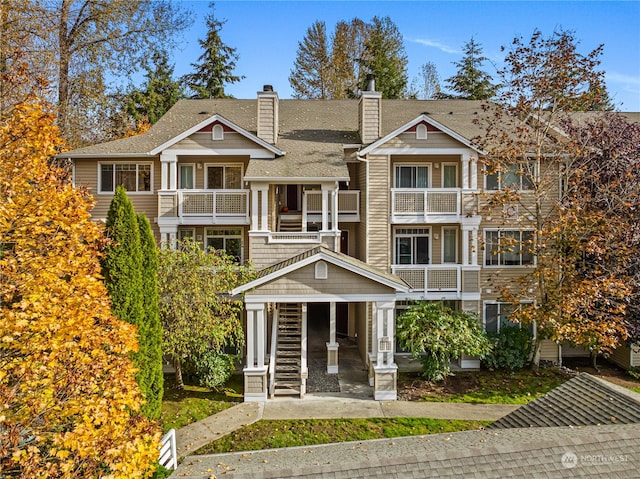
x,y
292,197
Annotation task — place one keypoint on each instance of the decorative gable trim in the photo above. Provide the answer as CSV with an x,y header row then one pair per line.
x,y
223,121
424,118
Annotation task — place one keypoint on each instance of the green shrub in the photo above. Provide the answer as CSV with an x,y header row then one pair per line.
x,y
511,348
210,369
634,372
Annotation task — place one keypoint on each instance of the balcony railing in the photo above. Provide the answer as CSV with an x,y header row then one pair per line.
x,y
348,202
205,203
421,201
436,278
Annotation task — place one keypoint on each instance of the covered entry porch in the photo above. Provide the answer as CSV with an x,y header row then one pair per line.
x,y
292,298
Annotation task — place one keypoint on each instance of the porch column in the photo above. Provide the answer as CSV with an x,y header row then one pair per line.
x,y
385,369
334,209
332,345
264,207
254,209
474,246
465,246
465,171
474,173
325,208
304,370
168,236
169,173
255,371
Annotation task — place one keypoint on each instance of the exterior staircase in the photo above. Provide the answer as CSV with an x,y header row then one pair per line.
x,y
288,356
290,223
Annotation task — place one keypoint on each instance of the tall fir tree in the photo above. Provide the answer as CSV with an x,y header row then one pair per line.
x,y
151,341
216,66
159,92
309,78
122,270
470,82
386,58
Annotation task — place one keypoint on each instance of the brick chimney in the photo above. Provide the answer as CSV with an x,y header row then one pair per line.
x,y
268,114
370,112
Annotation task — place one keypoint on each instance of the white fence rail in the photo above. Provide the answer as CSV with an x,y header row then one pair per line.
x,y
168,450
412,201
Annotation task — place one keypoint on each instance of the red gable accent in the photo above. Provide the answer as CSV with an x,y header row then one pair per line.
x,y
429,126
209,127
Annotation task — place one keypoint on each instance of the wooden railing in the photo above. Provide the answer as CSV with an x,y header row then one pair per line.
x,y
348,202
168,450
215,203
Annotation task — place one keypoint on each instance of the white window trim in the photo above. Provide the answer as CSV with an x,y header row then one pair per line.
x,y
501,230
421,132
429,165
223,165
217,132
412,235
484,314
449,163
193,168
500,188
137,163
449,228
239,236
192,230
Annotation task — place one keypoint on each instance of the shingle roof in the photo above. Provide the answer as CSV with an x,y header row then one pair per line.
x,y
597,451
582,401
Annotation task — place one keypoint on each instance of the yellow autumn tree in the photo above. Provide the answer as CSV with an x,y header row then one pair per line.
x,y
69,402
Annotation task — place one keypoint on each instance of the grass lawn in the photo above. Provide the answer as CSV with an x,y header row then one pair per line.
x,y
279,434
182,407
495,387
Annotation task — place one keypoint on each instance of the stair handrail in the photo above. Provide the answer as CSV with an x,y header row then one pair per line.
x,y
272,353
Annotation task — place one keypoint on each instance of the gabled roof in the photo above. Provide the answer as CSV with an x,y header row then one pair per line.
x,y
423,118
320,253
582,401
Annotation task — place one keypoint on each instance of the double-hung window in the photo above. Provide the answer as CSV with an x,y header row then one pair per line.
x,y
412,246
228,240
412,176
186,177
514,177
224,177
508,247
497,315
134,177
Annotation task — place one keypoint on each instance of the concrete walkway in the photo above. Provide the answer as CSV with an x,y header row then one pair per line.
x,y
326,406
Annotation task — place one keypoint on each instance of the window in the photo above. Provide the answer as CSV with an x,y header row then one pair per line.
x,y
412,176
508,248
321,270
187,177
497,315
412,246
133,176
449,175
227,240
186,234
449,245
421,132
514,178
217,133
224,177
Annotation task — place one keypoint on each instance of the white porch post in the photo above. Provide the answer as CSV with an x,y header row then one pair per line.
x,y
465,246
332,345
169,178
474,246
474,173
385,369
264,207
465,171
255,371
304,370
168,236
254,209
334,209
325,208
305,200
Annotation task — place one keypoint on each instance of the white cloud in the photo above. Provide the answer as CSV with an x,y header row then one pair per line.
x,y
434,44
622,78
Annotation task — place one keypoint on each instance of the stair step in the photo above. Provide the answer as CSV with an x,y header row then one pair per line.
x,y
287,369
289,360
286,392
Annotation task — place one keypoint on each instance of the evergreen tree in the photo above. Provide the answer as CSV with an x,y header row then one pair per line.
x,y
151,341
470,82
122,270
309,78
347,48
216,66
386,58
159,92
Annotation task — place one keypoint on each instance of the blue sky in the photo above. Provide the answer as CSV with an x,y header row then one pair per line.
x,y
266,35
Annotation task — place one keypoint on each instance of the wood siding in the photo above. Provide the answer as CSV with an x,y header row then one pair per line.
x,y
434,140
369,118
549,351
379,203
338,282
200,140
263,254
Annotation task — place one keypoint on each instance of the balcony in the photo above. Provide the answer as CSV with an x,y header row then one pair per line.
x,y
204,207
441,281
411,205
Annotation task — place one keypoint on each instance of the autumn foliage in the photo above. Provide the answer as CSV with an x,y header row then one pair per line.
x,y
69,402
